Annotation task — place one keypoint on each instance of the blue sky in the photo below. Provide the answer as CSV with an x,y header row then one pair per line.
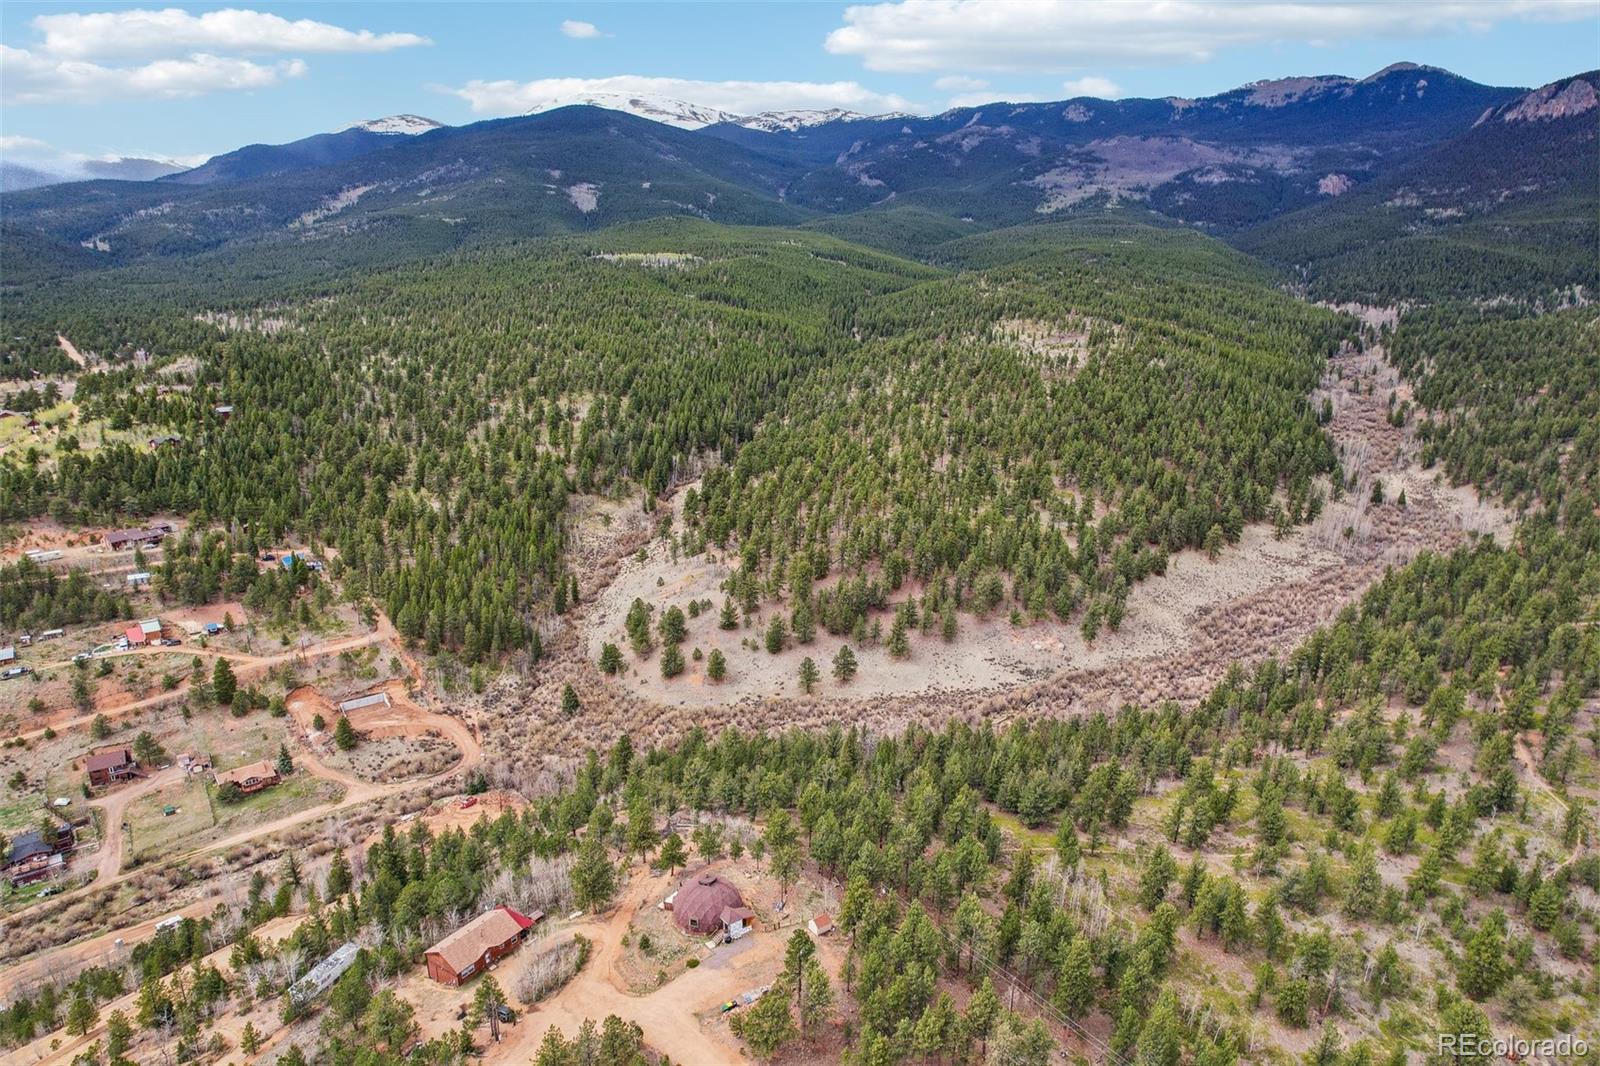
x,y
189,81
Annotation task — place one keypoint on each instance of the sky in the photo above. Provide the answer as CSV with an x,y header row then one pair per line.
x,y
99,80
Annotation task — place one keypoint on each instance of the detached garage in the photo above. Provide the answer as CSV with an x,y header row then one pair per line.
x,y
483,941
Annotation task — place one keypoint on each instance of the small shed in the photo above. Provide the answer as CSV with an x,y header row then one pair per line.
x,y
139,578
8,655
373,700
821,925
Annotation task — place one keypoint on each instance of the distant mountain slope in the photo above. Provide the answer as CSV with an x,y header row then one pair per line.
x,y
574,169
1228,164
15,177
265,160
1506,208
1224,161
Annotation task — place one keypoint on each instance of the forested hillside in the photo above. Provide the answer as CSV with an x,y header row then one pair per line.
x,y
991,434
1511,402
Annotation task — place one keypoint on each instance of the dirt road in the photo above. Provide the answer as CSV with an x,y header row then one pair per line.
x,y
248,666
108,863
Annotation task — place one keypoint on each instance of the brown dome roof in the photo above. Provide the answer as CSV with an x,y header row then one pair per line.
x,y
699,904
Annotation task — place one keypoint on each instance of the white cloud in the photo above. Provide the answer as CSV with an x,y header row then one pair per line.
x,y
45,156
30,78
170,53
173,31
912,36
1092,85
740,97
583,31
981,97
951,83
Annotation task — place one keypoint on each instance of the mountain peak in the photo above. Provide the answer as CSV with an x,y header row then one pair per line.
x,y
400,124
663,109
790,121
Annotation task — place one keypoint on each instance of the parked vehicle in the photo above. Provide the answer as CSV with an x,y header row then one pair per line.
x,y
15,671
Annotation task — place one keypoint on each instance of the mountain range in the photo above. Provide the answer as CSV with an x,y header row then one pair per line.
x,y
1280,167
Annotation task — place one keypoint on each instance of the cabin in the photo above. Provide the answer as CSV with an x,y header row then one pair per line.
x,y
479,944
251,778
106,768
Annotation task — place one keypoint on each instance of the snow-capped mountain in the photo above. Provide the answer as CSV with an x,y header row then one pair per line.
x,y
687,116
663,109
403,124
789,121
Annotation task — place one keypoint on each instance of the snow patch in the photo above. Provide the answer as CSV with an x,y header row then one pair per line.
x,y
407,125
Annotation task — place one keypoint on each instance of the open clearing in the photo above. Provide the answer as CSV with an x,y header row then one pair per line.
x,y
1181,631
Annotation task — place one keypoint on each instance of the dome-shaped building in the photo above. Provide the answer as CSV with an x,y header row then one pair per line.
x,y
707,904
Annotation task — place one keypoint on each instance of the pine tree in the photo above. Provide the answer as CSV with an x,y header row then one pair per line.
x,y
673,854
672,661
716,665
610,659
777,635
1075,982
594,878
808,675
344,734
223,683
285,765
1361,901
767,1025
1482,967
486,1003
844,664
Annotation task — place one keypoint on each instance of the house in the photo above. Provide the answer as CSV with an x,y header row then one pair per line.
x,y
703,905
32,857
821,925
107,767
139,579
143,632
477,945
250,778
223,411
146,536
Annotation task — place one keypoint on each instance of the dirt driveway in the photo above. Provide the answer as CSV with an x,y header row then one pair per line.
x,y
669,1015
